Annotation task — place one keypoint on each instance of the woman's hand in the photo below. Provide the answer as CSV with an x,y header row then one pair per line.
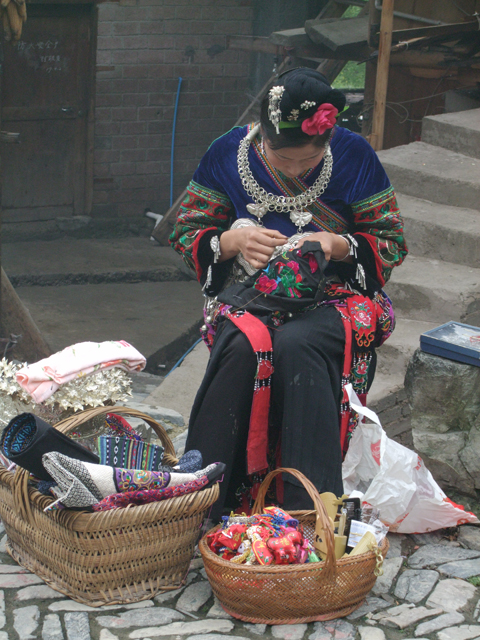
x,y
335,247
255,243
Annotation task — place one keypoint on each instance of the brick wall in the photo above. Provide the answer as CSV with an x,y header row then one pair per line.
x,y
143,48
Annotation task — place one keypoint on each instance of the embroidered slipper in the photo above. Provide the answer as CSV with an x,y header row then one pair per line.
x,y
99,481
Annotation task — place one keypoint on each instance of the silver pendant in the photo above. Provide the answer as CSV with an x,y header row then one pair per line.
x,y
300,219
257,210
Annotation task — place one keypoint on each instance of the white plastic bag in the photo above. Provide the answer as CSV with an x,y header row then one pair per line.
x,y
394,479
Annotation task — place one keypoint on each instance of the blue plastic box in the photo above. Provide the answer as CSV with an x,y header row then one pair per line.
x,y
455,341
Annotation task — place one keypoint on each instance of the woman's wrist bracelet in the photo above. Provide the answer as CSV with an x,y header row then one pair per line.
x,y
349,251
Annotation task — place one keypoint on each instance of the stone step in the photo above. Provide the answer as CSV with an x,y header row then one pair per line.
x,y
439,175
91,261
435,291
393,356
440,231
458,131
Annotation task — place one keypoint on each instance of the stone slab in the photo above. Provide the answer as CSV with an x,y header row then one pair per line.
x,y
289,631
41,591
184,628
443,395
469,536
142,618
393,611
214,636
367,633
194,597
442,622
256,629
418,169
105,634
436,554
463,632
52,627
371,605
18,580
25,621
431,537
217,611
395,541
77,625
390,570
451,594
410,616
333,630
415,584
461,569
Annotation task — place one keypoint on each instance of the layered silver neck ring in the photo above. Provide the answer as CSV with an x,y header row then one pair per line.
x,y
265,202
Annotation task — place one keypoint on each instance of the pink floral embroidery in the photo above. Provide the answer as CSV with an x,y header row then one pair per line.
x,y
294,266
312,263
361,368
362,315
322,119
264,284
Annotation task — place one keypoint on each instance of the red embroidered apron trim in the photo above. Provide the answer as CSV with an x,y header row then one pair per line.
x,y
261,342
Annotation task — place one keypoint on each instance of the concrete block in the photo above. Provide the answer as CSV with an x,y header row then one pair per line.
x,y
458,131
421,170
424,289
441,232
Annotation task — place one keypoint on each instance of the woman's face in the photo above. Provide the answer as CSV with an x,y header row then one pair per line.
x,y
293,161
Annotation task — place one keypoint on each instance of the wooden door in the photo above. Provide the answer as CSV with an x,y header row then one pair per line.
x,y
46,97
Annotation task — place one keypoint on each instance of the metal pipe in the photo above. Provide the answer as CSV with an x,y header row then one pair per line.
x,y
409,16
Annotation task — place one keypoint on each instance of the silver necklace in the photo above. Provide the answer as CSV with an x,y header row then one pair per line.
x,y
265,202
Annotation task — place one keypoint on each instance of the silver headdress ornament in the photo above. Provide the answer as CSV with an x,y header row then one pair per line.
x,y
274,112
307,104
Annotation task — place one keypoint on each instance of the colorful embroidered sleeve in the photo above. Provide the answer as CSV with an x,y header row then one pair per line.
x,y
379,227
202,214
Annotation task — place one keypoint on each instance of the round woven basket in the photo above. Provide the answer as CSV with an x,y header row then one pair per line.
x,y
108,557
290,594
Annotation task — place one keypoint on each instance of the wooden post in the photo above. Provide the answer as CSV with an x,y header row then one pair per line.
x,y
15,319
381,83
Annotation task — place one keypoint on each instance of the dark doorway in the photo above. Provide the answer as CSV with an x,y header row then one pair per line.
x,y
47,96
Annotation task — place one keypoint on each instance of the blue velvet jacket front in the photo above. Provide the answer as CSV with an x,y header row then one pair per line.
x,y
358,200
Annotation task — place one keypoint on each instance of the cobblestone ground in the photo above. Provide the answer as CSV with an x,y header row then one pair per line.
x,y
426,592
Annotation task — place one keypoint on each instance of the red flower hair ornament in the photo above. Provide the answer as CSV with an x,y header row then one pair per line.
x,y
322,119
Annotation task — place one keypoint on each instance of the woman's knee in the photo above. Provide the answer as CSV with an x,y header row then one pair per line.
x,y
239,352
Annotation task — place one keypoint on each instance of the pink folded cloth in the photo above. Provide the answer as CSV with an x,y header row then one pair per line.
x,y
41,379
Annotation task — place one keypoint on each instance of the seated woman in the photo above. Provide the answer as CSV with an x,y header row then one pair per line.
x,y
295,171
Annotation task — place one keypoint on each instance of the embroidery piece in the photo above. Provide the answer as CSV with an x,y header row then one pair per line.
x,y
134,480
201,210
378,220
145,496
117,451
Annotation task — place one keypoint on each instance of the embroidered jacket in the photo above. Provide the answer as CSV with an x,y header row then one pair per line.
x,y
359,200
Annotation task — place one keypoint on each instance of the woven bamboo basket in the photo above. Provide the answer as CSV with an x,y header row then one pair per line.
x,y
291,594
110,557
